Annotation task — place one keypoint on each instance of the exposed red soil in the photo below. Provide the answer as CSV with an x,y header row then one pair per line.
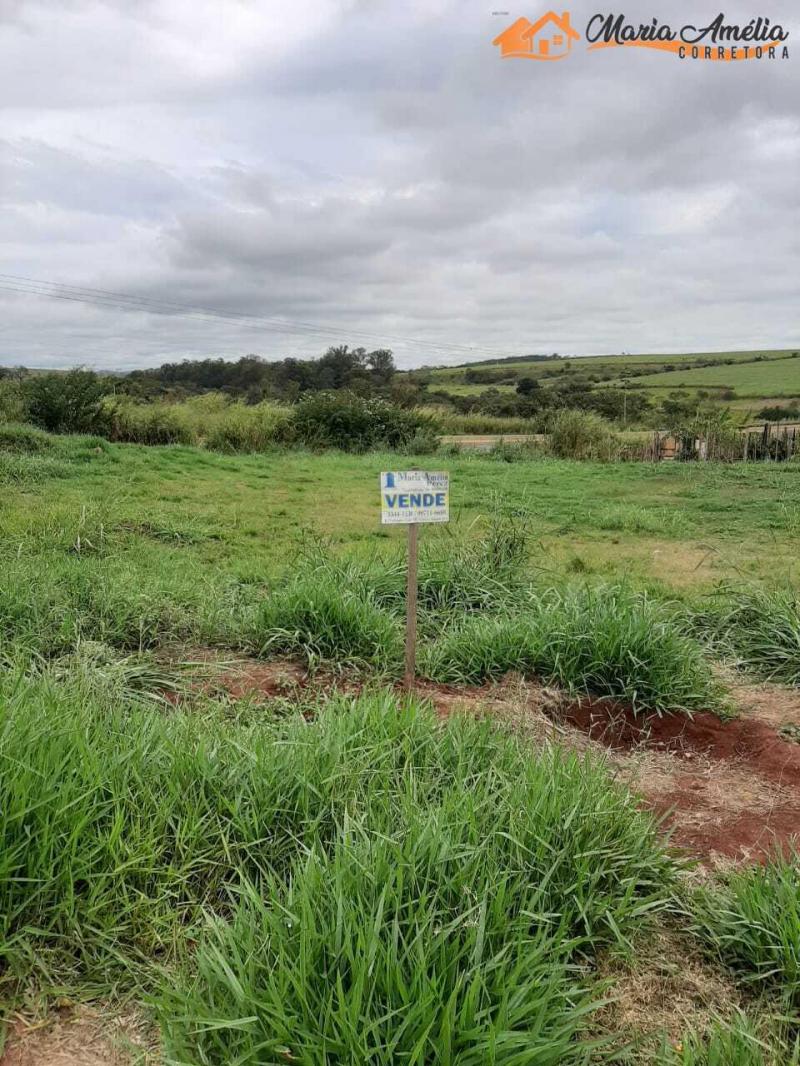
x,y
747,739
726,789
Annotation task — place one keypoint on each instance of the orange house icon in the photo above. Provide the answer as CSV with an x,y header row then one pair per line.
x,y
550,37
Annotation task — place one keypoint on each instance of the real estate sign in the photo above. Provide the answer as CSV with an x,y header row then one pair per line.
x,y
412,496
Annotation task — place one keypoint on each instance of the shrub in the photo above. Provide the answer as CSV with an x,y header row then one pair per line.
x,y
353,423
156,423
257,428
67,403
779,414
12,401
582,435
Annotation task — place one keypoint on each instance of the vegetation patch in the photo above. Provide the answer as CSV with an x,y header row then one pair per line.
x,y
752,921
605,641
758,627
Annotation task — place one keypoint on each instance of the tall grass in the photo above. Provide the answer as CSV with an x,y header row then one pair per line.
x,y
451,423
759,627
455,574
316,617
576,434
736,1041
212,420
20,439
479,621
604,640
753,923
120,826
371,954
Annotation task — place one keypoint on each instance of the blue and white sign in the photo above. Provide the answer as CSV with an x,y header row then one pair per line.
x,y
409,496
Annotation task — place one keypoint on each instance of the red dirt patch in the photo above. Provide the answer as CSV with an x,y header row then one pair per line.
x,y
727,789
754,742
252,678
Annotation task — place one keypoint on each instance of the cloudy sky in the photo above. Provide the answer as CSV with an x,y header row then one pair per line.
x,y
373,172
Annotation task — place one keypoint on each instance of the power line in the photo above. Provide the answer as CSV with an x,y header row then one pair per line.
x,y
128,302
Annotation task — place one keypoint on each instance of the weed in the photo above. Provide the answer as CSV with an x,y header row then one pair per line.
x,y
319,619
120,824
735,1041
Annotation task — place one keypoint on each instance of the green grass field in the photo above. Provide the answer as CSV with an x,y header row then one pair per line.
x,y
241,517
602,362
322,877
778,377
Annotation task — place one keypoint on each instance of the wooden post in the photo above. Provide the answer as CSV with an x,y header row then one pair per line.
x,y
411,608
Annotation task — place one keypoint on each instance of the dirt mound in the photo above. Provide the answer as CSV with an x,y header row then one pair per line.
x,y
755,742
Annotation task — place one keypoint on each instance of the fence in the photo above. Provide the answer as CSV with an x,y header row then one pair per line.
x,y
771,442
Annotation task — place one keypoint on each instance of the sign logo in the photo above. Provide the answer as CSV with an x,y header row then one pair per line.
x,y
410,496
551,37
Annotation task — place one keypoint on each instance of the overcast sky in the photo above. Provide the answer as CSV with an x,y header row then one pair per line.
x,y
374,169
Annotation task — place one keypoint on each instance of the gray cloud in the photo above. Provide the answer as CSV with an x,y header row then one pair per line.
x,y
376,170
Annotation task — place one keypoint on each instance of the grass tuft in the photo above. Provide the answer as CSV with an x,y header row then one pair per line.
x,y
752,921
759,627
605,640
317,618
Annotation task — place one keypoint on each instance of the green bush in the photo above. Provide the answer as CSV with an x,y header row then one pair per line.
x,y
156,423
582,435
238,428
789,413
353,423
12,400
70,402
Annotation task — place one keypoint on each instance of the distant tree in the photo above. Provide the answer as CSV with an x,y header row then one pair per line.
x,y
251,377
381,366
525,386
405,393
